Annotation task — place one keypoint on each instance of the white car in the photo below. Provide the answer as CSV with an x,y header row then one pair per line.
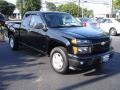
x,y
110,25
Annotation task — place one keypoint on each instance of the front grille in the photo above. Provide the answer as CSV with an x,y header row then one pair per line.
x,y
100,48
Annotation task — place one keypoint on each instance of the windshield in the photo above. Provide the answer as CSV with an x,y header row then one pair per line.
x,y
55,20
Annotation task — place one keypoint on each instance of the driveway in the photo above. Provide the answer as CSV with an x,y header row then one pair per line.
x,y
29,70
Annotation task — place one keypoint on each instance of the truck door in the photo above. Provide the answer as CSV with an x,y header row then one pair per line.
x,y
37,37
24,30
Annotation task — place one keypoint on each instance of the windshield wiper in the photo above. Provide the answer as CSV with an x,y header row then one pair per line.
x,y
57,26
73,26
62,26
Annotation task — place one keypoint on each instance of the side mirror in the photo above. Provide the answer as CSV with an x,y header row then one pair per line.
x,y
40,26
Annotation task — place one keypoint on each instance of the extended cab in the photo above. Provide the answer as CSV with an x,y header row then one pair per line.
x,y
60,35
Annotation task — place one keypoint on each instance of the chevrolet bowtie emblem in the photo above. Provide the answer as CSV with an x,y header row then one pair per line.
x,y
102,43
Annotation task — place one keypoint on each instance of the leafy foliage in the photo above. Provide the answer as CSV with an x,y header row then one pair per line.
x,y
32,5
73,9
116,4
69,8
6,8
51,6
88,13
18,4
28,5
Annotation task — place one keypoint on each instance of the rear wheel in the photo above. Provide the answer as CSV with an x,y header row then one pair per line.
x,y
13,43
59,60
113,32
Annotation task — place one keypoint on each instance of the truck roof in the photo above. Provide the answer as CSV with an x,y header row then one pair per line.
x,y
40,12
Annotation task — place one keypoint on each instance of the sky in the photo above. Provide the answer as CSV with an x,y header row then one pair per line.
x,y
12,1
100,9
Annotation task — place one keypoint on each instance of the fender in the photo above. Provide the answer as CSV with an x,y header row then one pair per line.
x,y
61,41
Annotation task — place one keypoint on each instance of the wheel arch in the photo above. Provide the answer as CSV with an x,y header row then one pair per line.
x,y
10,33
111,28
114,30
56,43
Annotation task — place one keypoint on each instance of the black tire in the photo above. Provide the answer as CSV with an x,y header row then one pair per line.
x,y
113,32
63,52
98,66
14,41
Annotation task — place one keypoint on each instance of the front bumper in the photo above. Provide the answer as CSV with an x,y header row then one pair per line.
x,y
82,62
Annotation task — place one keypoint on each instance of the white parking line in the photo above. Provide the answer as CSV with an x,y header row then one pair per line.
x,y
39,80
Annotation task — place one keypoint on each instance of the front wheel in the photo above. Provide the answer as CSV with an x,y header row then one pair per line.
x,y
98,66
59,60
113,32
13,43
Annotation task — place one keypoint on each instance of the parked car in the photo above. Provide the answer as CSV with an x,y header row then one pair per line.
x,y
59,35
87,22
99,19
110,25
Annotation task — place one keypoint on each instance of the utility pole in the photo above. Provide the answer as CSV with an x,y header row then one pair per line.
x,y
82,9
78,8
111,7
22,8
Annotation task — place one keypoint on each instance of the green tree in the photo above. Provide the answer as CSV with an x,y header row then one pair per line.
x,y
73,9
19,4
69,8
32,5
87,13
116,4
28,5
51,6
6,8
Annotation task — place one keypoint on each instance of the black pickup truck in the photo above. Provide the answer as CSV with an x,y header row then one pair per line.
x,y
61,37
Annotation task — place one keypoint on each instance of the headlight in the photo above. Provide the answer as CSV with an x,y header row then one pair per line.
x,y
77,49
81,50
75,41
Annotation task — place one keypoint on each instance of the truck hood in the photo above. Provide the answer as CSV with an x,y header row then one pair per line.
x,y
83,32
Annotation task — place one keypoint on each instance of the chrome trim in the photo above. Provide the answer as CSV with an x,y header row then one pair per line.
x,y
94,43
91,56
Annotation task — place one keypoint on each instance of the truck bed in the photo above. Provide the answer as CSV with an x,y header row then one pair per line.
x,y
12,24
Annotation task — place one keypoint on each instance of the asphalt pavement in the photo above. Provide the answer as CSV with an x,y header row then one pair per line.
x,y
27,69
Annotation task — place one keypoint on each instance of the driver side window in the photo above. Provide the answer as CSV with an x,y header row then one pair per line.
x,y
35,19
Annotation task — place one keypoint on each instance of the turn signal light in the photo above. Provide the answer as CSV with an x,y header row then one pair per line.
x,y
75,50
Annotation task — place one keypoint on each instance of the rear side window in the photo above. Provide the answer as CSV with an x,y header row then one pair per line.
x,y
107,21
26,22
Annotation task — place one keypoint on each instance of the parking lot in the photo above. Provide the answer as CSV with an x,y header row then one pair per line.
x,y
29,70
